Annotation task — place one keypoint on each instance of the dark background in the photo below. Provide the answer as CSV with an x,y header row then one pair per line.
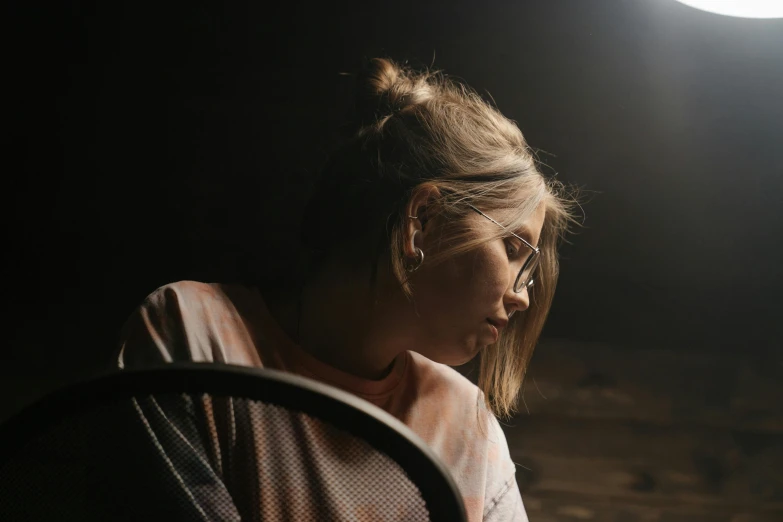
x,y
151,143
154,143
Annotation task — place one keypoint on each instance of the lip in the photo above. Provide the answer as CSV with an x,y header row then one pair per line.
x,y
498,323
494,330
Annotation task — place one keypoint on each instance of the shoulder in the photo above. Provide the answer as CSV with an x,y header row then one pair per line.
x,y
443,381
195,293
194,301
191,321
451,415
455,400
450,389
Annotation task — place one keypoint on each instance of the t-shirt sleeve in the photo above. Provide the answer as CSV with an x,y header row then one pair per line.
x,y
504,500
507,506
169,437
189,321
155,332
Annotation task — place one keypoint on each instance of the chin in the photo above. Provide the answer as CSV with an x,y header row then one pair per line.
x,y
458,356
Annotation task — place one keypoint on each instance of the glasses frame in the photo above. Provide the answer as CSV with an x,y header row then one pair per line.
x,y
535,255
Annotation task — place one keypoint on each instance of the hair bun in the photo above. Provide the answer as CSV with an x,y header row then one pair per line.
x,y
384,89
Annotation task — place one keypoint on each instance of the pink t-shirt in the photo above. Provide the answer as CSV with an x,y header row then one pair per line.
x,y
191,321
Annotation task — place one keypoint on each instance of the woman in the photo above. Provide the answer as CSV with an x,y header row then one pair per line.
x,y
433,239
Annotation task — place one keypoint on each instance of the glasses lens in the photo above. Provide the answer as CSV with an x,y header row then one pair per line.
x,y
528,270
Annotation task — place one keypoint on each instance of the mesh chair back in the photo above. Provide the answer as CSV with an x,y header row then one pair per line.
x,y
208,442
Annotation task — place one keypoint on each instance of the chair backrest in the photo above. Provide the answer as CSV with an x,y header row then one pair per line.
x,y
191,441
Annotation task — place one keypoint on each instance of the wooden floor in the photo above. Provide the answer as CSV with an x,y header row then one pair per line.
x,y
617,435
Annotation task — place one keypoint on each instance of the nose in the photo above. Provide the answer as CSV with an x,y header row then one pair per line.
x,y
517,302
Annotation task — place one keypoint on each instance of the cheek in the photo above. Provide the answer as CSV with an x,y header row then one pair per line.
x,y
467,286
486,275
443,291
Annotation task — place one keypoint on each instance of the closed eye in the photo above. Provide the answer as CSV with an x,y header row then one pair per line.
x,y
513,246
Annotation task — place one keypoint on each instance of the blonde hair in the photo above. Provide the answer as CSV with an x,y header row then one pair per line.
x,y
420,129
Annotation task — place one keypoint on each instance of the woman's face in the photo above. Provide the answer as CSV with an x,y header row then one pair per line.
x,y
459,300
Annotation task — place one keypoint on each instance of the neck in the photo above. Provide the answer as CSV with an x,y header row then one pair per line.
x,y
339,319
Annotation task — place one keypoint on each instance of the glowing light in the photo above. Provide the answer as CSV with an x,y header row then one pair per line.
x,y
740,8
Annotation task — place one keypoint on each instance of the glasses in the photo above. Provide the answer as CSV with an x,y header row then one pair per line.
x,y
525,277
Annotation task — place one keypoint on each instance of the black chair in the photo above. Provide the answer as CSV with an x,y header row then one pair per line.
x,y
199,441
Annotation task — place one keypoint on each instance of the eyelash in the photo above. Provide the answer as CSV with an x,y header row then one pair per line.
x,y
511,250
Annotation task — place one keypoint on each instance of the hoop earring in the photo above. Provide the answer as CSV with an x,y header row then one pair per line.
x,y
412,267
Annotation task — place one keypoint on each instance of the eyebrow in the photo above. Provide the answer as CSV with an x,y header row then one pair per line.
x,y
525,233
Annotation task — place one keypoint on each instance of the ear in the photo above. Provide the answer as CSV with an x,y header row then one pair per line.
x,y
420,206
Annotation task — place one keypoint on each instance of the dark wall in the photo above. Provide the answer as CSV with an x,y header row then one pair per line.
x,y
151,143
